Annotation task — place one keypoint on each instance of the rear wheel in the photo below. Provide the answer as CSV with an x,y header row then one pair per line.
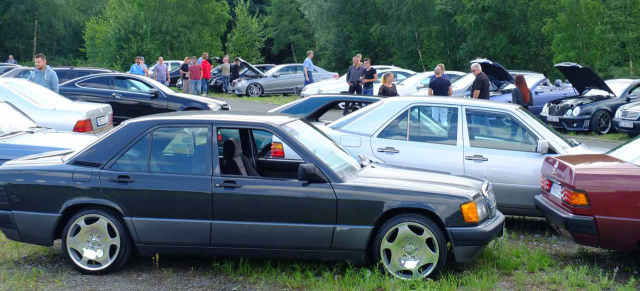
x,y
95,242
601,122
411,246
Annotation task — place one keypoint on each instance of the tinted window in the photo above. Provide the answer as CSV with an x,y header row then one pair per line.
x,y
181,150
501,131
25,74
83,73
635,91
135,159
434,125
287,70
399,76
96,83
397,129
132,85
65,75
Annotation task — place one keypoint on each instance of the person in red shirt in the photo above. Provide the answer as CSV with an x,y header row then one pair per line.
x,y
195,76
206,73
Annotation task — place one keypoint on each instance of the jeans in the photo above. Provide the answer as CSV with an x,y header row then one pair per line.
x,y
225,84
367,91
205,85
196,88
439,114
310,79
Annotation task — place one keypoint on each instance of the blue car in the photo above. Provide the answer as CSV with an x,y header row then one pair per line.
x,y
20,136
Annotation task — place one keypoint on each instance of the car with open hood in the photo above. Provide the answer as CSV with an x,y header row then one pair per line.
x,y
596,104
120,196
627,119
132,95
281,79
247,71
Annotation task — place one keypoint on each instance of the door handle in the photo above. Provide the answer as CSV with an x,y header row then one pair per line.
x,y
116,95
476,158
122,179
228,184
390,150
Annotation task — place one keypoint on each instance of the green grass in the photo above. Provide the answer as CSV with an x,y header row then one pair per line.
x,y
618,137
272,99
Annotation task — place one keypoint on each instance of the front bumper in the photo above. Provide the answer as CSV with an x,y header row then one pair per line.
x,y
578,123
629,130
469,242
582,229
8,226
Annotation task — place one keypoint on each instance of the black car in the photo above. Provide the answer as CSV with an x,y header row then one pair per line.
x,y
64,73
133,95
324,108
158,184
627,118
596,104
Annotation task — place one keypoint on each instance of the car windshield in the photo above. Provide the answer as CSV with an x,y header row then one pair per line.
x,y
463,82
322,146
628,152
13,120
159,85
353,116
616,86
415,79
561,140
37,94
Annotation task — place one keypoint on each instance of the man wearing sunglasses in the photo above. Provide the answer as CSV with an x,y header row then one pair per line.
x,y
480,88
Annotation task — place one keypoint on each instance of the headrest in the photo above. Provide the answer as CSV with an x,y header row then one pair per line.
x,y
231,149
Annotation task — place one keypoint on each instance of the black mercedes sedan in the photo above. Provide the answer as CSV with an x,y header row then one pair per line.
x,y
133,96
197,183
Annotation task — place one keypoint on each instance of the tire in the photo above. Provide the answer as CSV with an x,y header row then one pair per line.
x,y
99,226
421,252
600,122
254,90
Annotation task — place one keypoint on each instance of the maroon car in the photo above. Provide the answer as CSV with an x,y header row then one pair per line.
x,y
594,198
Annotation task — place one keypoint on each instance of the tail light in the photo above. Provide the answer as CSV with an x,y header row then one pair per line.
x,y
575,197
219,137
277,150
83,126
336,76
545,184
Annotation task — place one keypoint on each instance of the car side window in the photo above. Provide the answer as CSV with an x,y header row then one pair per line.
x,y
399,77
397,129
270,146
493,130
25,74
434,124
96,83
181,150
635,91
65,75
135,159
132,85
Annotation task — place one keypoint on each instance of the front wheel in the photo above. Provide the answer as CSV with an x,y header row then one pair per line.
x,y
95,242
601,122
254,90
411,246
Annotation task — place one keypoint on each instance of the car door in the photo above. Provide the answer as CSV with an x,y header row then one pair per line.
x,y
271,209
135,98
422,136
278,84
296,79
164,182
502,149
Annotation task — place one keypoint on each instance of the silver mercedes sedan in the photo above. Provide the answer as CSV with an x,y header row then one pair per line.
x,y
500,142
282,79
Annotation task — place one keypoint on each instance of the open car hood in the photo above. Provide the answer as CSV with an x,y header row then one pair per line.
x,y
582,78
496,73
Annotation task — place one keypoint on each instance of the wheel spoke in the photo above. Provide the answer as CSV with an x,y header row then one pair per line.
x,y
404,232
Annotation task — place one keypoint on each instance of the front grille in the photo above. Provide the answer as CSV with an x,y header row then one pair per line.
x,y
559,109
630,115
4,200
491,199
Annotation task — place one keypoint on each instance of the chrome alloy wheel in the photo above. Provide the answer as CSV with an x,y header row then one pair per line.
x,y
254,90
603,122
409,251
93,242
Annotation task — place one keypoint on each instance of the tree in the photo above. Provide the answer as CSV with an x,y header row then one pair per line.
x,y
289,29
247,37
129,28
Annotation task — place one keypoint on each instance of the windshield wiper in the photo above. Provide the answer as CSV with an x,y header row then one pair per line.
x,y
16,132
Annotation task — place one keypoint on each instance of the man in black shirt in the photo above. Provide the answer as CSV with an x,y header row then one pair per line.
x,y
354,80
370,76
480,87
440,86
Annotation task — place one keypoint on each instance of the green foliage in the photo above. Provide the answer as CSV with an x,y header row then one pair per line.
x,y
169,28
247,37
289,29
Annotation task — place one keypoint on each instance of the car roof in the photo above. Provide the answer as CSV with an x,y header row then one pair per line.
x,y
454,100
83,68
233,116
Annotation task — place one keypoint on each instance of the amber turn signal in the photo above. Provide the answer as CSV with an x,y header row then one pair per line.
x,y
575,198
469,212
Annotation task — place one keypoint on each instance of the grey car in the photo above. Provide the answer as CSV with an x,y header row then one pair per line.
x,y
282,79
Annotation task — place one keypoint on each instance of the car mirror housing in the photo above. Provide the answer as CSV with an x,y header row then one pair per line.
x,y
310,173
275,75
154,93
543,146
631,97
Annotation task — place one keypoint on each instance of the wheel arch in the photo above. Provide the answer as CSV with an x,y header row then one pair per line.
x,y
390,213
72,207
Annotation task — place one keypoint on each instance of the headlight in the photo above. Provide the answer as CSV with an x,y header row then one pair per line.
x,y
475,211
545,109
569,112
576,111
213,106
618,113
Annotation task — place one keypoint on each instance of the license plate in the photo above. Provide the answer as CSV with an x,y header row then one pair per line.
x,y
553,118
100,121
626,124
556,190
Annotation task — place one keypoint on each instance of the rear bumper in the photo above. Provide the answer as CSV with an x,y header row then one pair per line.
x,y
581,228
634,130
579,123
469,242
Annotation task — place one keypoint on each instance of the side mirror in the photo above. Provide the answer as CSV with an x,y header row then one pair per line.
x,y
276,75
543,146
154,93
631,97
420,86
309,173
538,91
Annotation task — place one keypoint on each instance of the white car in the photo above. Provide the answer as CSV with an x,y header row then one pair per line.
x,y
51,110
319,87
420,81
500,142
343,87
